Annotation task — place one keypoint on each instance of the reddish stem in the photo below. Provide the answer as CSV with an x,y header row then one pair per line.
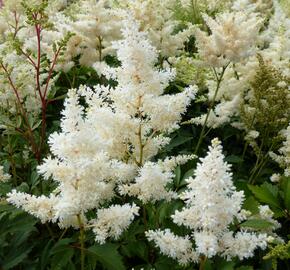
x,y
38,32
31,138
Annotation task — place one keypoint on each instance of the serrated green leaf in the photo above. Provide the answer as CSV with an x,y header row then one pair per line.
x,y
258,224
265,194
108,256
251,205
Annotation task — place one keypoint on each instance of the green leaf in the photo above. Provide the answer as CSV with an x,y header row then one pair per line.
x,y
62,258
16,257
45,255
234,159
177,141
136,249
286,191
177,175
251,205
266,193
61,253
258,224
188,174
108,255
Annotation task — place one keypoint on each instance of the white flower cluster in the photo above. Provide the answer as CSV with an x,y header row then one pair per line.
x,y
4,177
212,205
106,145
277,40
273,47
156,17
233,38
95,26
176,247
284,158
113,221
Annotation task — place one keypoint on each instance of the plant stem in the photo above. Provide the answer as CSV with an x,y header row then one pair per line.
x,y
219,80
202,261
82,241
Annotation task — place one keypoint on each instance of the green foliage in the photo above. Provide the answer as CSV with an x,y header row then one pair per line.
x,y
281,252
16,236
36,14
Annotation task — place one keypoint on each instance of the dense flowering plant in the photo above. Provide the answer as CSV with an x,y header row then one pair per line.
x,y
144,134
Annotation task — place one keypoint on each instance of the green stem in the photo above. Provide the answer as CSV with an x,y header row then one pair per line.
x,y
202,134
244,150
258,167
202,261
82,241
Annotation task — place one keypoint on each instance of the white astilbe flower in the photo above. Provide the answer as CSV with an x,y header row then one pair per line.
x,y
277,39
42,207
284,153
176,247
151,184
4,177
157,18
212,205
96,25
242,244
211,196
251,6
233,38
112,221
105,145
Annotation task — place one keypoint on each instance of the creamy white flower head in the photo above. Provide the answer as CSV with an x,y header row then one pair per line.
x,y
176,247
42,207
242,244
151,184
233,38
211,198
212,204
157,18
277,40
284,154
96,25
112,221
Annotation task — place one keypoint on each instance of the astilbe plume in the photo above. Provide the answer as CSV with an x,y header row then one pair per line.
x,y
233,38
283,158
157,18
212,205
96,25
106,146
239,76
